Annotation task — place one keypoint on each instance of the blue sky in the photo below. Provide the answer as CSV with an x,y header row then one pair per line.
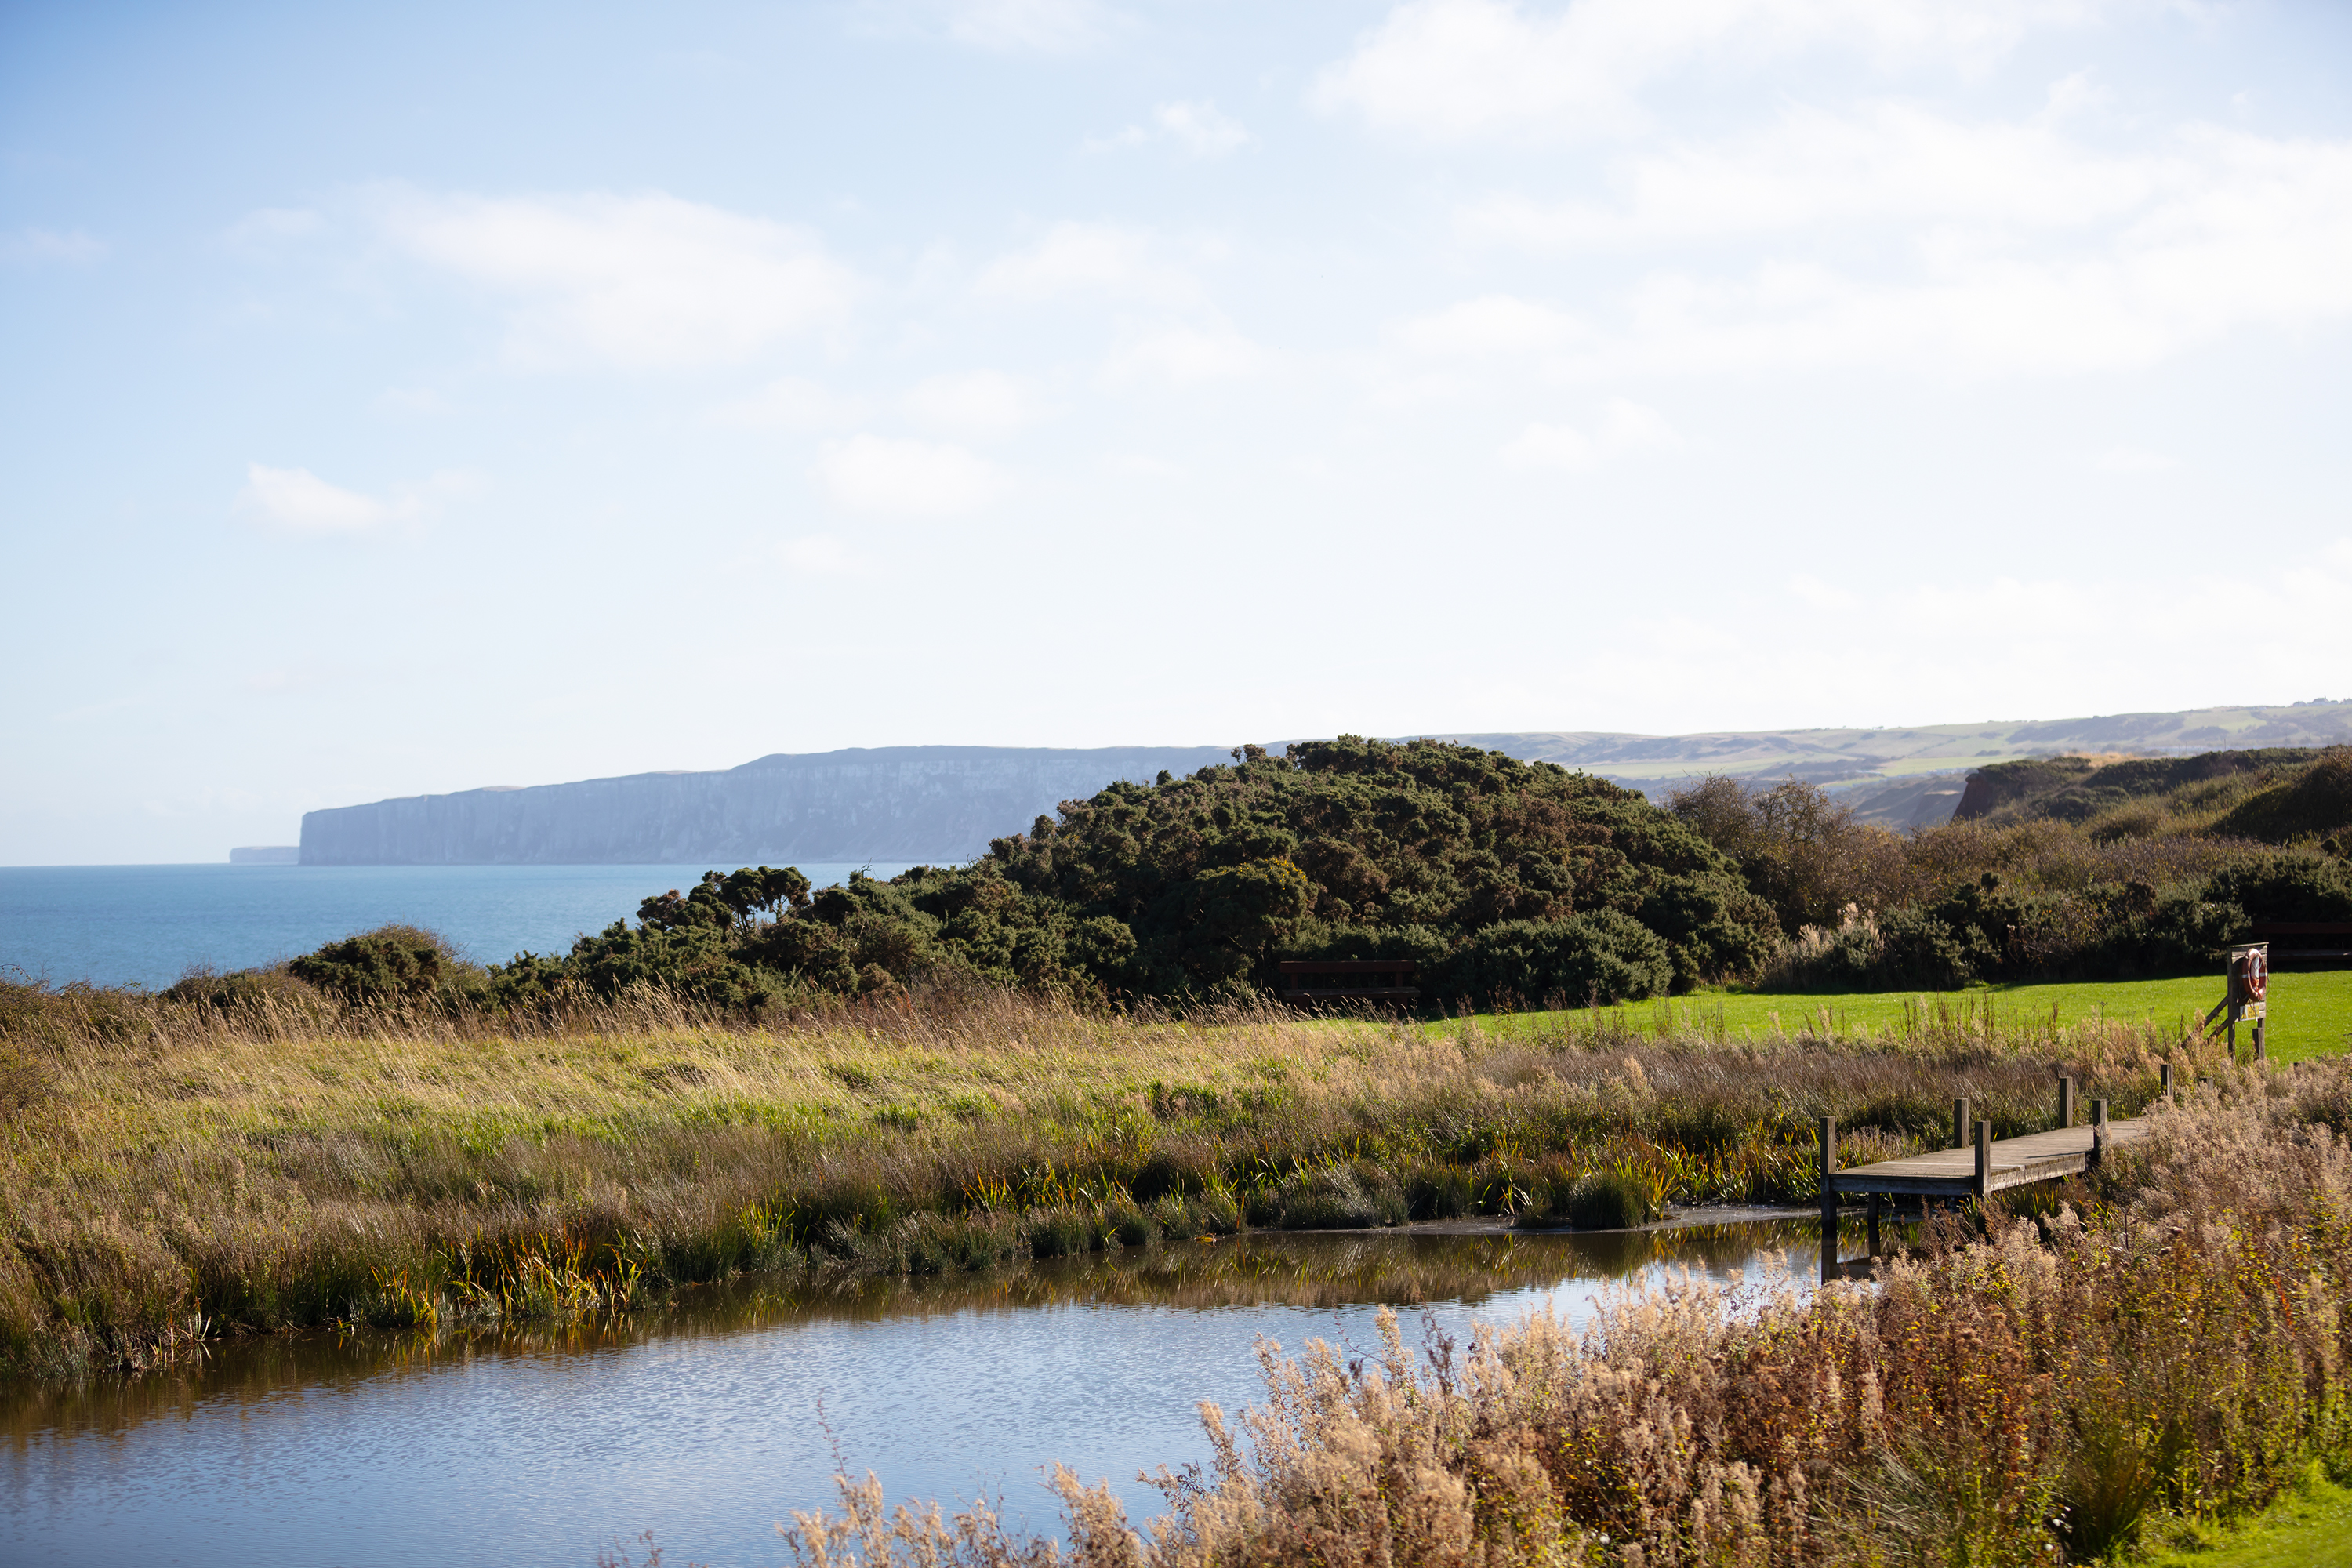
x,y
433,396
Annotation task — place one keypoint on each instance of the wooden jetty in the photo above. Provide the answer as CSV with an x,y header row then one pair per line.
x,y
1976,1167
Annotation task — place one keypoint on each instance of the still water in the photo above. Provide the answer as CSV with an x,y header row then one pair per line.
x,y
711,1422
147,925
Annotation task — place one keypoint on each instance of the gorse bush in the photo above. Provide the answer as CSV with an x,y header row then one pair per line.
x,y
1604,956
391,964
2175,1343
1502,878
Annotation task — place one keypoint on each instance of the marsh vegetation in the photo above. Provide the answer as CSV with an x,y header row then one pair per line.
x,y
2168,1349
177,1171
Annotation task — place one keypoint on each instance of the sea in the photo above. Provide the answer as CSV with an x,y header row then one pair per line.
x,y
149,925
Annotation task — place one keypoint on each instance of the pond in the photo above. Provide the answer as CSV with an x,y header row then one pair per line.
x,y
708,1422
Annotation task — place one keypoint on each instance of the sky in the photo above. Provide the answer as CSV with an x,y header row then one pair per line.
x,y
401,399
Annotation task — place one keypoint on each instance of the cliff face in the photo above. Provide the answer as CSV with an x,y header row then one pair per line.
x,y
945,802
902,803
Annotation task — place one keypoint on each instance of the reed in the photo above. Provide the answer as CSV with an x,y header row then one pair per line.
x,y
174,1171
2170,1348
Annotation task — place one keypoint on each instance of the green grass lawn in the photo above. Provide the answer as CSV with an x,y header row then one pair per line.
x,y
2311,1527
2310,1010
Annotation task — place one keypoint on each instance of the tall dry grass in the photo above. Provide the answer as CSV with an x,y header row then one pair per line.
x,y
2177,1345
173,1172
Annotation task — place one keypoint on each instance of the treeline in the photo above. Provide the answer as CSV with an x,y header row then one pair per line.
x,y
2068,869
1505,881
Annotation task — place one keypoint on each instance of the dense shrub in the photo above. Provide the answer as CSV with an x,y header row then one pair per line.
x,y
2284,887
244,989
1198,889
1503,881
34,1011
2066,868
390,963
1597,958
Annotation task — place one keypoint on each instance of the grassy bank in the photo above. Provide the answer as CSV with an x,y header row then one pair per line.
x,y
2165,1357
177,1172
2310,1527
2311,1010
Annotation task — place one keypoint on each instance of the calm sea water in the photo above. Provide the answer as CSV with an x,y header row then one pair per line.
x,y
147,925
710,1425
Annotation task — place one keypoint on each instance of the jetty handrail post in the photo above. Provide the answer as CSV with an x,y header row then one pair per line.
x,y
1829,1199
1984,1177
2066,1100
1960,1123
1873,1225
2099,1134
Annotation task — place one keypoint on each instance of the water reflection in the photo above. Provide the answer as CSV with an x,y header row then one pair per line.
x,y
535,1444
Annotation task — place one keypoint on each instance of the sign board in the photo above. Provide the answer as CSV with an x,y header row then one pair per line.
x,y
2249,977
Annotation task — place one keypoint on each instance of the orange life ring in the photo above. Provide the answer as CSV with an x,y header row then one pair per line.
x,y
2254,974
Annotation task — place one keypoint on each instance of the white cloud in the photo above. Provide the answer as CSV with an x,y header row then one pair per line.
x,y
790,403
420,401
1140,466
816,555
1491,324
999,27
1199,130
646,281
905,478
37,247
977,404
2069,645
1170,329
1186,356
1101,259
268,230
1626,428
2013,247
1458,70
1815,595
299,500
2133,460
1889,163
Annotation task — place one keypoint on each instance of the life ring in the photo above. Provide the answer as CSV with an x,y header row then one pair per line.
x,y
2253,974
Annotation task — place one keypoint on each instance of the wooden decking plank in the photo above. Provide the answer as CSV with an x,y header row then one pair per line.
x,y
2016,1162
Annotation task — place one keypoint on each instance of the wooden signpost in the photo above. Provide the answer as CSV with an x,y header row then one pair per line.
x,y
2247,1002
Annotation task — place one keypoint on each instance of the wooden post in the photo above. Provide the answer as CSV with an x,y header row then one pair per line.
x,y
1984,1177
2260,1054
2066,1101
2164,1079
1873,1225
2098,1133
1829,1199
1959,1125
